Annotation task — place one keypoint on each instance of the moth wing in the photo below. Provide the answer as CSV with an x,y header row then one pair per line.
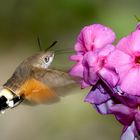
x,y
49,87
60,82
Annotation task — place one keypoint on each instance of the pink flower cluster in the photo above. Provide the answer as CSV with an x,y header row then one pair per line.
x,y
114,73
92,48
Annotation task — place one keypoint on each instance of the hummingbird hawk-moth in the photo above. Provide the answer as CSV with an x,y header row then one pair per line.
x,y
34,82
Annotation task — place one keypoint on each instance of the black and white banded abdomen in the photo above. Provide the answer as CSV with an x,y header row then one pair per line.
x,y
8,99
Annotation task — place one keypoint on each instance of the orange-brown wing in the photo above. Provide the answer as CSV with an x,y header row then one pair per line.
x,y
34,91
47,88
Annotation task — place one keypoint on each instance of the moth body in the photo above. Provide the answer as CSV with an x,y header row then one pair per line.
x,y
34,82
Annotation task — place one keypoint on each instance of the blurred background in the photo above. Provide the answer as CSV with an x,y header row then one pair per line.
x,y
21,21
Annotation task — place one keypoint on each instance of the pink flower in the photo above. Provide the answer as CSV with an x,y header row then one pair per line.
x,y
77,70
94,43
126,61
92,37
95,64
114,73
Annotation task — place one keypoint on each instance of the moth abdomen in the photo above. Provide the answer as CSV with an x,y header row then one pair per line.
x,y
8,99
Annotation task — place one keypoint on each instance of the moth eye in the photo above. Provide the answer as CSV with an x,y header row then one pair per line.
x,y
47,59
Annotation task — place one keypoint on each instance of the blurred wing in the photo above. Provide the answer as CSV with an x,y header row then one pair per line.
x,y
48,88
59,81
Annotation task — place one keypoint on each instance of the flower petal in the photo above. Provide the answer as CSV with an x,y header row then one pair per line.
x,y
137,120
95,96
135,42
91,66
94,36
104,36
90,76
125,45
104,108
109,75
90,59
126,99
130,83
84,84
79,46
124,114
130,133
106,50
118,59
77,70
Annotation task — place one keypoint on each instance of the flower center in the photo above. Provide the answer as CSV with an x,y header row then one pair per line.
x,y
137,59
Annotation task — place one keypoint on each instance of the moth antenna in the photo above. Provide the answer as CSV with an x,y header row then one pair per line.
x,y
51,45
138,20
39,44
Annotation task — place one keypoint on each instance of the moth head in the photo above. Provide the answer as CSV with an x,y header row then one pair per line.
x,y
42,60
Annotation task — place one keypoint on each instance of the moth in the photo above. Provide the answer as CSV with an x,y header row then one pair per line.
x,y
35,82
